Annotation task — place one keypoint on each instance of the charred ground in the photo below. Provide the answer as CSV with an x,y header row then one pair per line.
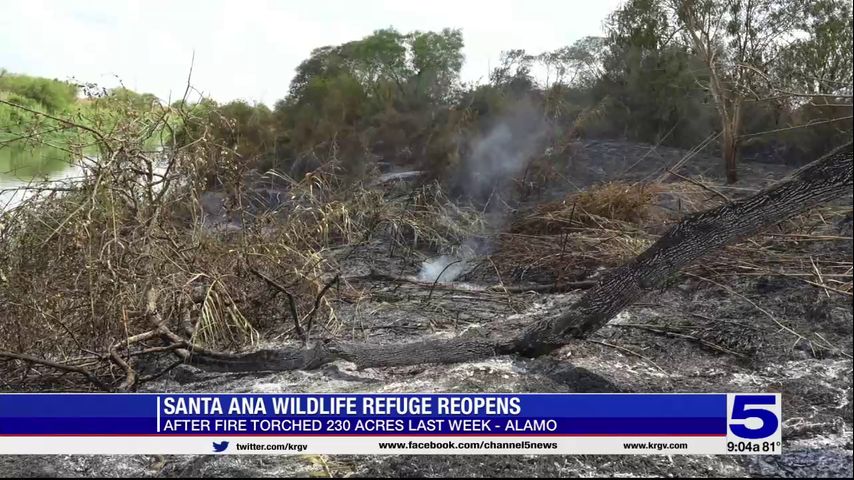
x,y
771,314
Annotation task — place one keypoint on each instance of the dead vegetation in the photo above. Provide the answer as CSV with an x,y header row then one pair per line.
x,y
609,224
121,266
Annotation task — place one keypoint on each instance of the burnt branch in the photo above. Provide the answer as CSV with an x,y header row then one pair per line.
x,y
309,318
57,366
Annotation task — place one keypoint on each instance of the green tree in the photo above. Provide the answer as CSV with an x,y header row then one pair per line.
x,y
53,95
514,71
738,41
378,95
648,87
744,47
437,59
820,62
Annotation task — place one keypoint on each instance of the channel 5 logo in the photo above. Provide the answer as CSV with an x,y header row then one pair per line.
x,y
754,416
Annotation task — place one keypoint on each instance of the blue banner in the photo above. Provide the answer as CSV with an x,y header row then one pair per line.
x,y
363,414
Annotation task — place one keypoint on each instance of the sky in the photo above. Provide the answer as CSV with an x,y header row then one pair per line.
x,y
248,49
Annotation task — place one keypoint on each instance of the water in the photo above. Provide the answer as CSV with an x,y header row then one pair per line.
x,y
23,166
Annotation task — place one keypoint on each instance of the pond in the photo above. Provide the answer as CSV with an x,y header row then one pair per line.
x,y
23,165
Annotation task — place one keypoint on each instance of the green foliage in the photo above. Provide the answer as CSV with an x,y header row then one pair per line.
x,y
514,72
10,116
642,84
821,62
36,94
44,123
657,86
396,98
652,96
130,99
53,95
639,24
378,97
437,60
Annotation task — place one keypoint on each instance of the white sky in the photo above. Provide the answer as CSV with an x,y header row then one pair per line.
x,y
249,48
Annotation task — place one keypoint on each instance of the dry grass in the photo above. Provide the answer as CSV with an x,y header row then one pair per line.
x,y
323,216
611,223
91,270
567,240
809,248
614,202
618,201
76,266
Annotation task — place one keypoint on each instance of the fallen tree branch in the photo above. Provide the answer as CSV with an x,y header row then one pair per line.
x,y
629,352
685,243
690,240
58,366
130,374
559,287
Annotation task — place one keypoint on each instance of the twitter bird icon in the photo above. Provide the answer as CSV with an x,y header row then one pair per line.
x,y
220,447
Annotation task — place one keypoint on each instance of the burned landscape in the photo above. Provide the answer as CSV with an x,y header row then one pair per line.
x,y
768,314
386,228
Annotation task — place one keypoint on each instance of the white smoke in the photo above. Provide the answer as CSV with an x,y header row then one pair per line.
x,y
450,267
502,153
447,266
494,159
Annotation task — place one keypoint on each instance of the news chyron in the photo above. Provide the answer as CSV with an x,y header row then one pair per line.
x,y
383,423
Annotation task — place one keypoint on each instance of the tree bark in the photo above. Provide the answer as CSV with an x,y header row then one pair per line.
x,y
730,141
729,152
685,243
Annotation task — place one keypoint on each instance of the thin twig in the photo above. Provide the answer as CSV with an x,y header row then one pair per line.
x,y
309,318
430,295
291,301
628,351
701,185
657,329
766,312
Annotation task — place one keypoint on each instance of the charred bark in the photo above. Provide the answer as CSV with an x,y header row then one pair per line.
x,y
685,243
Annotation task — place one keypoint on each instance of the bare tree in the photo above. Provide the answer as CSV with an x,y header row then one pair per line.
x,y
738,40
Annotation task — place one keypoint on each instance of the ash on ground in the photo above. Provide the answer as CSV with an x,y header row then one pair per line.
x,y
795,339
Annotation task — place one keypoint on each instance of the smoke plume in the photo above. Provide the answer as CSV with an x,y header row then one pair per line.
x,y
494,159
502,153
